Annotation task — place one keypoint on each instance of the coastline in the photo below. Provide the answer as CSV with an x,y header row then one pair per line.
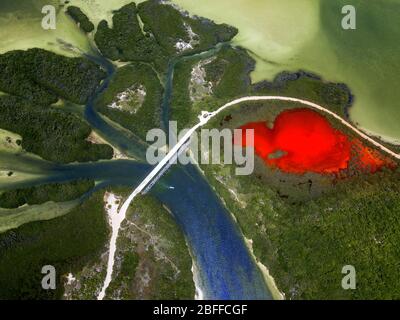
x,y
199,293
392,141
95,138
269,280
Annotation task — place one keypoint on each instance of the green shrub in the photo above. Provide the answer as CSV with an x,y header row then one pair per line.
x,y
57,192
79,17
53,134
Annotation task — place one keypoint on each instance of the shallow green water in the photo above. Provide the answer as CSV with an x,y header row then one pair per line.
x,y
369,61
307,34
20,28
20,24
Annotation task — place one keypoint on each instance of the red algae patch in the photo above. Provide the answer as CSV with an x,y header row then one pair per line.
x,y
370,160
302,140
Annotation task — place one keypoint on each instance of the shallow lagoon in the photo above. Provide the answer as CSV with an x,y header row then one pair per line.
x,y
20,28
307,34
20,24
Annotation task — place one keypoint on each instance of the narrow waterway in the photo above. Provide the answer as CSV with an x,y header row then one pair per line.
x,y
128,145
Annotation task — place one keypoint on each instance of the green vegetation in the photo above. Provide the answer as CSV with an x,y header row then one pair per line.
x,y
40,194
183,108
306,244
41,76
149,32
335,96
126,41
165,23
35,79
152,259
181,105
67,243
79,17
227,71
156,263
142,116
230,73
129,265
53,134
169,25
9,141
14,218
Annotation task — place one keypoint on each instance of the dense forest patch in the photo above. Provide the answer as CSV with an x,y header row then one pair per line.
x,y
79,17
306,244
53,134
66,243
230,73
151,31
163,270
169,26
143,117
57,192
335,96
42,76
127,41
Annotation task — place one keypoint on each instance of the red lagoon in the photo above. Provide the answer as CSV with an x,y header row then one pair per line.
x,y
302,140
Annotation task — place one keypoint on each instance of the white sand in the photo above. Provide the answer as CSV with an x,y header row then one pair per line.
x,y
115,219
269,280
